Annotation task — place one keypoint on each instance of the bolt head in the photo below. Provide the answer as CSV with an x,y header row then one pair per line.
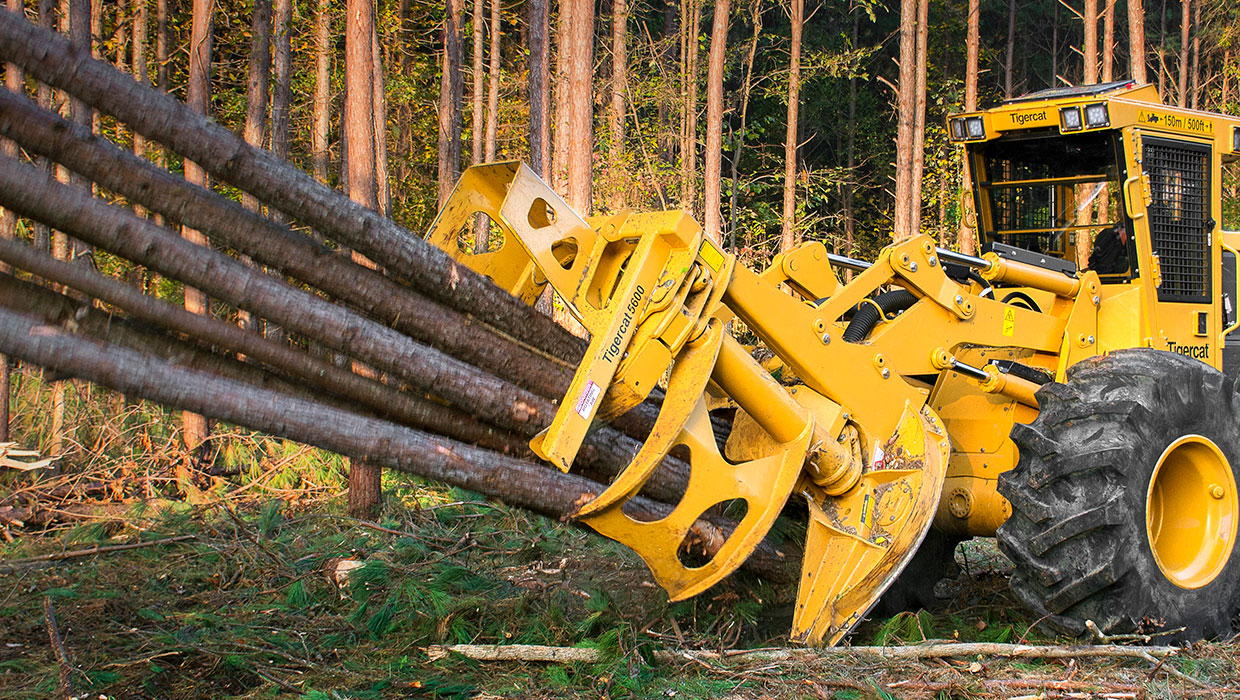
x,y
959,299
886,373
826,338
934,261
1217,491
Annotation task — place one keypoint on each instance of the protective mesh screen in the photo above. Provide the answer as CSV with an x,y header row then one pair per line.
x,y
1179,214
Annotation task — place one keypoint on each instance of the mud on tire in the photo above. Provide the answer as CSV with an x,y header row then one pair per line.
x,y
1077,533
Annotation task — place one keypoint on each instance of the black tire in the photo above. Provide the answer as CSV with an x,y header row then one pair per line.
x,y
1077,534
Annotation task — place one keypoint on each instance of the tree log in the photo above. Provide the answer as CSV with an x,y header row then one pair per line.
x,y
511,480
379,398
50,58
33,193
296,255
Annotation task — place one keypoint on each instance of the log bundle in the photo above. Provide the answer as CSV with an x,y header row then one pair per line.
x,y
436,371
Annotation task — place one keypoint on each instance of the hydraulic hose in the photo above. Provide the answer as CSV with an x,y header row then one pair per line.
x,y
867,316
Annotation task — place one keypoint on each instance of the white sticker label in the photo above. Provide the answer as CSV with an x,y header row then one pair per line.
x,y
877,461
589,397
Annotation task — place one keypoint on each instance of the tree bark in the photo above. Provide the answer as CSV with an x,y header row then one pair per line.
x,y
515,481
383,192
310,372
281,76
15,81
1136,41
1194,90
161,45
919,117
1108,41
1090,44
163,119
478,83
322,90
450,96
258,85
967,236
1008,85
619,88
492,135
272,244
850,183
198,98
1186,21
746,89
539,89
365,479
787,237
580,156
688,139
140,71
713,176
905,121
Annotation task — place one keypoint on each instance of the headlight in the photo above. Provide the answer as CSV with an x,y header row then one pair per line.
x,y
957,127
1096,115
1070,119
975,127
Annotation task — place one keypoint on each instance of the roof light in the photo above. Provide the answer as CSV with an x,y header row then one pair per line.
x,y
1096,115
957,128
1070,119
975,127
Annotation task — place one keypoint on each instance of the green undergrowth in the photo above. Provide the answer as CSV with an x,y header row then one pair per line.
x,y
254,607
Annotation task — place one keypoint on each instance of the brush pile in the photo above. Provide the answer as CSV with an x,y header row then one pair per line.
x,y
418,364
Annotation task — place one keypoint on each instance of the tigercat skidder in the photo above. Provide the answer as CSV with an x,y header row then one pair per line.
x,y
1078,413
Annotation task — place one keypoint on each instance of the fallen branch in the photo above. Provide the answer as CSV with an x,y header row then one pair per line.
x,y
58,649
534,652
9,451
57,556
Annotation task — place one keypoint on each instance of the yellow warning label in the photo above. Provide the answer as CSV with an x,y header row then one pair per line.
x,y
1009,322
712,256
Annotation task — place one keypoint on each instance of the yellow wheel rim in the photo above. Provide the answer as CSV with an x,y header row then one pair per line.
x,y
1190,511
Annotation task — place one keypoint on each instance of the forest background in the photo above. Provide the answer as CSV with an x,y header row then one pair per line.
x,y
773,123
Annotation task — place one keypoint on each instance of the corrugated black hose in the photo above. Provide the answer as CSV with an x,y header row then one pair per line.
x,y
867,316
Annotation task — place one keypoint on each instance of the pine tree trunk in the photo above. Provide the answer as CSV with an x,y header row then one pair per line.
x,y
688,142
905,121
560,136
198,98
161,45
1090,44
365,479
1195,90
451,93
1185,24
580,156
383,191
322,90
850,184
1136,41
258,84
967,235
16,83
919,119
1108,41
492,136
746,88
540,96
140,71
713,175
619,88
478,83
787,237
1008,85
282,76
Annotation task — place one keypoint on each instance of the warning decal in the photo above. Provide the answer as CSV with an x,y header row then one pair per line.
x,y
589,397
1009,322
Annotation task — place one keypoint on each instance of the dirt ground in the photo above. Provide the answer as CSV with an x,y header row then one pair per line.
x,y
246,600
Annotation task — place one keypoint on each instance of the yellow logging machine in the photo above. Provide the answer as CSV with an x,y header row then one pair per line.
x,y
1078,413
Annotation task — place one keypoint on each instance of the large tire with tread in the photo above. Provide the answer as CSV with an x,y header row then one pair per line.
x,y
1078,534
